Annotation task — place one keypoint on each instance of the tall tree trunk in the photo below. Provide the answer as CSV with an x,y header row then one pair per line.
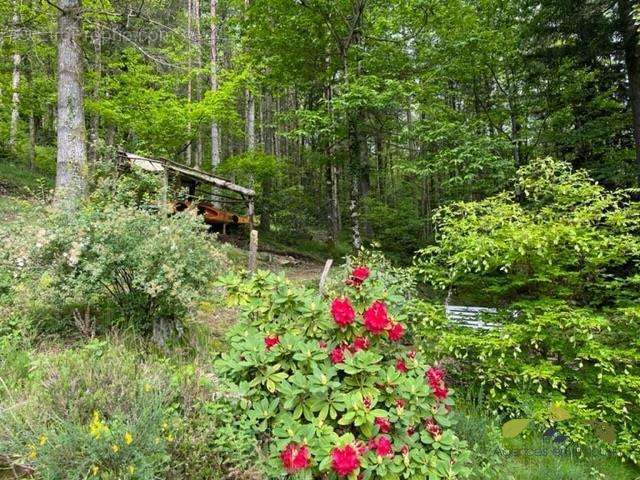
x,y
198,83
15,81
71,172
250,110
631,39
190,41
95,118
215,134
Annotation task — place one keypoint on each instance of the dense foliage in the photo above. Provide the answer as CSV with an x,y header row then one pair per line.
x,y
333,387
560,258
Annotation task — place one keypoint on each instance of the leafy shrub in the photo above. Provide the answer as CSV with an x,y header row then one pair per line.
x,y
561,257
89,413
337,394
126,266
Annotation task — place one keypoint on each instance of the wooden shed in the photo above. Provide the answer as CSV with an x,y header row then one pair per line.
x,y
217,199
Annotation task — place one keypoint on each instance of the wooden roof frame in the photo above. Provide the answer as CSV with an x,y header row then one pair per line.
x,y
164,165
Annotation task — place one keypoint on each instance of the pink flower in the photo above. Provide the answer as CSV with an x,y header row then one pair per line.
x,y
271,341
382,446
358,276
337,355
411,354
400,403
383,424
401,366
360,343
342,312
404,450
376,319
295,457
367,402
322,344
411,430
344,460
396,332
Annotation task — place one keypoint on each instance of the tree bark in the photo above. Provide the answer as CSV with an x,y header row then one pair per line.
x,y
215,134
190,41
198,83
71,172
250,110
631,40
94,133
15,83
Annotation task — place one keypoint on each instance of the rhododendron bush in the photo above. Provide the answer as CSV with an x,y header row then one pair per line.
x,y
332,386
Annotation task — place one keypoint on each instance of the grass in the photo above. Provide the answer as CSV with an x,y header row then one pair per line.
x,y
16,179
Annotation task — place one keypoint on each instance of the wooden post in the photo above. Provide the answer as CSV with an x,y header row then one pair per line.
x,y
250,212
325,273
165,191
253,250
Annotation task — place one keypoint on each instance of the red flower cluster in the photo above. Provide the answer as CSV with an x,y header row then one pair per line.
x,y
433,428
401,366
358,276
396,332
435,377
271,341
382,446
359,343
337,354
383,424
376,319
295,457
342,312
344,460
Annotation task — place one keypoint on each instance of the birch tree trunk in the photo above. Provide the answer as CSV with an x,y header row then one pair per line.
x,y
189,84
215,134
198,83
250,110
15,82
71,172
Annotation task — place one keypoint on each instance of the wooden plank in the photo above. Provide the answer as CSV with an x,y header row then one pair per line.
x,y
325,273
253,250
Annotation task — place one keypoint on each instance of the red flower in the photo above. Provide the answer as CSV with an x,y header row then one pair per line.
x,y
401,366
367,402
337,355
295,457
396,332
383,424
344,460
433,428
411,430
400,403
404,450
382,446
342,312
271,341
435,377
360,343
376,319
358,276
411,354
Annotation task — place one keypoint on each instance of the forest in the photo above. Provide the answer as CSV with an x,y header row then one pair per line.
x,y
320,239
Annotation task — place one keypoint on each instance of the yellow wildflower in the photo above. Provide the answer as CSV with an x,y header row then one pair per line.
x,y
32,452
128,438
132,469
97,427
94,470
115,448
169,438
42,440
